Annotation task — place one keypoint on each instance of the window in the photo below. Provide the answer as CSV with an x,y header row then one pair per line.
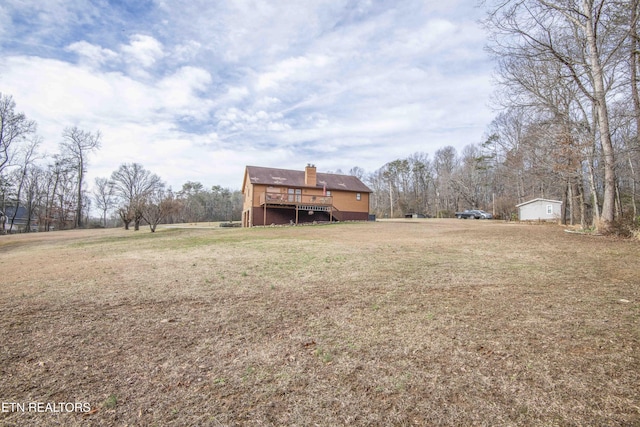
x,y
329,193
297,192
358,196
549,209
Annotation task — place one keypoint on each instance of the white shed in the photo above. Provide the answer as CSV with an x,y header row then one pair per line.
x,y
540,210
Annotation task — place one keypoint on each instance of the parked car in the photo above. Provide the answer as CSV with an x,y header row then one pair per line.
x,y
473,214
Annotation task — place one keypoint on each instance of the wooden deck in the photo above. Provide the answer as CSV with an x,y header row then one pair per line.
x,y
299,202
296,200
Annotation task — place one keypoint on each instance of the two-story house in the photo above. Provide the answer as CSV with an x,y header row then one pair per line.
x,y
283,196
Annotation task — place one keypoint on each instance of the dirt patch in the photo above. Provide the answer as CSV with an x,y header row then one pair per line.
x,y
435,322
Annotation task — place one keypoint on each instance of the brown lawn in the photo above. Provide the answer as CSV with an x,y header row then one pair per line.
x,y
423,322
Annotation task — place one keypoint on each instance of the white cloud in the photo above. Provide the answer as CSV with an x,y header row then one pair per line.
x,y
5,21
179,93
301,68
234,120
268,102
93,55
199,91
142,51
434,37
135,118
187,51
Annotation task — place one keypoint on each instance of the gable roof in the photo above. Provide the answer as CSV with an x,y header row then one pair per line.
x,y
11,211
293,178
21,216
538,200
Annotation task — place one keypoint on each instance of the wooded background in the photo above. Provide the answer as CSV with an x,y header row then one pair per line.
x,y
567,128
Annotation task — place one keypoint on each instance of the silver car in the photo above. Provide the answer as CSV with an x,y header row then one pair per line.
x,y
478,214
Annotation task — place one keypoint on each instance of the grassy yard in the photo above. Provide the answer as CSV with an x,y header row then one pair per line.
x,y
423,322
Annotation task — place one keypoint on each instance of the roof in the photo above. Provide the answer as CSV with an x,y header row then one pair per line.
x,y
538,200
11,210
294,178
20,216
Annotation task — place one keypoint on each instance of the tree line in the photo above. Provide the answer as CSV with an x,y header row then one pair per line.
x,y
45,193
568,125
438,186
568,89
138,196
568,128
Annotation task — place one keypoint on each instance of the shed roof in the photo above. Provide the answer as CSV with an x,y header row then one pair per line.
x,y
538,200
295,178
11,211
19,217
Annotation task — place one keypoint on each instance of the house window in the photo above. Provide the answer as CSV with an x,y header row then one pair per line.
x,y
295,194
329,193
549,209
358,196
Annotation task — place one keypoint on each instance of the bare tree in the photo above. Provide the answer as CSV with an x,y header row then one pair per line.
x,y
445,161
77,145
379,197
634,58
357,171
27,155
133,184
14,128
468,180
56,183
159,205
104,196
421,182
33,194
583,39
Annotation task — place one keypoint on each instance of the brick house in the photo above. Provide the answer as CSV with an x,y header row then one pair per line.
x,y
283,196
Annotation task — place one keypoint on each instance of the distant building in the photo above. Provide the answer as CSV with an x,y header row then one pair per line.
x,y
283,196
540,210
20,220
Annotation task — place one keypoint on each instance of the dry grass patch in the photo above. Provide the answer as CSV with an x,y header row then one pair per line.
x,y
437,322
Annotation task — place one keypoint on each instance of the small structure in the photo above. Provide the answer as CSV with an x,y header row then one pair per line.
x,y
20,219
283,196
540,210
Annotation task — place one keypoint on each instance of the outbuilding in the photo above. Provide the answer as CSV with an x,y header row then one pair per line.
x,y
17,220
540,210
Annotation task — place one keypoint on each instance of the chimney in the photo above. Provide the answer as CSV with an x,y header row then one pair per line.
x,y
310,175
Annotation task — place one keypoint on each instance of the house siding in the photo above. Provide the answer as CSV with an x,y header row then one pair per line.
x,y
348,202
347,207
351,204
540,210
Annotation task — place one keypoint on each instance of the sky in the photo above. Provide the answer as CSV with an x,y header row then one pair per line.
x,y
196,90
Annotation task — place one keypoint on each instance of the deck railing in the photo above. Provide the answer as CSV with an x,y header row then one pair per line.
x,y
294,199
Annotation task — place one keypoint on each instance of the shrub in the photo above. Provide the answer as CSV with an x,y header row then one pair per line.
x,y
625,227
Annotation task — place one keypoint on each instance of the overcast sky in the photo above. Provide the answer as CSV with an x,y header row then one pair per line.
x,y
195,90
